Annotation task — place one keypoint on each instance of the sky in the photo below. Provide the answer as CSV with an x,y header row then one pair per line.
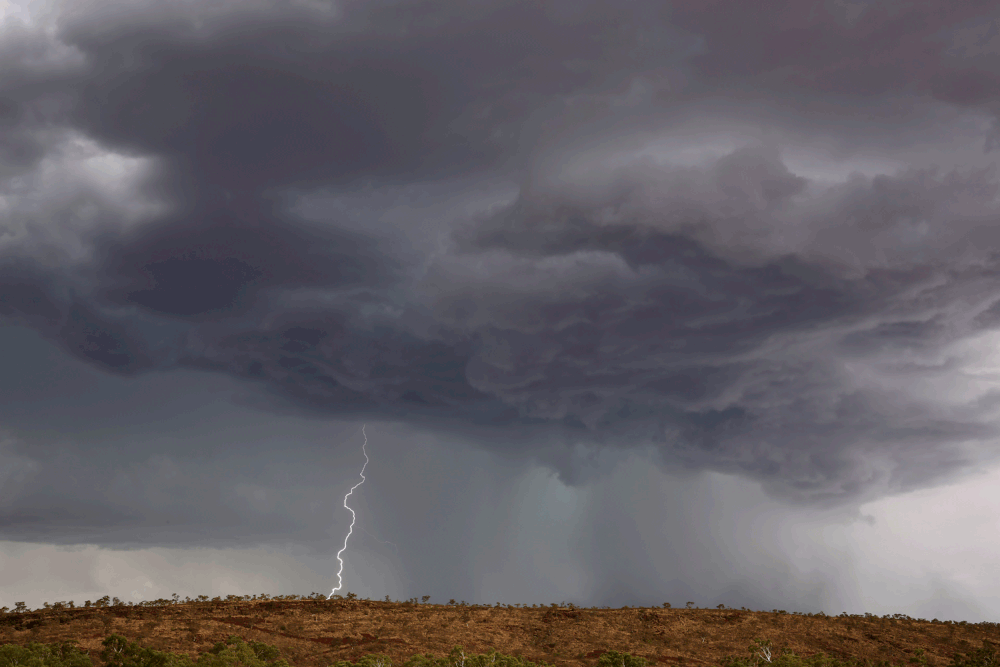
x,y
614,303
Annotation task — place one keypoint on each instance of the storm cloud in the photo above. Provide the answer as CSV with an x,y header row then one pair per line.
x,y
739,242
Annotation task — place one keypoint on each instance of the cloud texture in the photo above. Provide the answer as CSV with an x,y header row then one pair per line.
x,y
758,243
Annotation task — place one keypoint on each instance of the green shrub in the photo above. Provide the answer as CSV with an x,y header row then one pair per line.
x,y
119,652
235,651
981,657
616,659
457,658
44,655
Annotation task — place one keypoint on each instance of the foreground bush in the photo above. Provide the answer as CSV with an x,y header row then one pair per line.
x,y
42,655
119,652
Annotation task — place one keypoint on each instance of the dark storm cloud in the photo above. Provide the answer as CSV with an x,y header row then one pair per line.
x,y
727,312
860,49
258,98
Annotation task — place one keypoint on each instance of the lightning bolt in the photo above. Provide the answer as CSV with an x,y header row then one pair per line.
x,y
340,582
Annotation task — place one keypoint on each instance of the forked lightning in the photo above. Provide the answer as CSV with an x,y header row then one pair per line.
x,y
340,582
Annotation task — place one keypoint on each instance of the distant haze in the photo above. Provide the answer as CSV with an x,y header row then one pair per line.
x,y
640,302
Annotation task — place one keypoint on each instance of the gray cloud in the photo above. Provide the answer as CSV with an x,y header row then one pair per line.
x,y
755,243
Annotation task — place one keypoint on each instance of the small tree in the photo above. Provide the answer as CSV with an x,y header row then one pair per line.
x,y
235,651
426,598
119,652
20,607
764,647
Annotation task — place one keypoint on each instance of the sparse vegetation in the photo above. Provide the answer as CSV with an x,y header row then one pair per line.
x,y
311,631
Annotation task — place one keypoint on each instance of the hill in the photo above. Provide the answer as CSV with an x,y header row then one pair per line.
x,y
316,632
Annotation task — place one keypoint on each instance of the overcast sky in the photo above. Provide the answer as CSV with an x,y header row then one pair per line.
x,y
637,302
